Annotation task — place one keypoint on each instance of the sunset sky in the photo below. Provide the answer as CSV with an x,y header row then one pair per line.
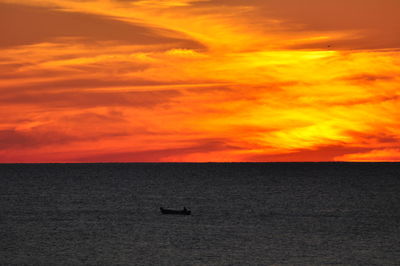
x,y
199,80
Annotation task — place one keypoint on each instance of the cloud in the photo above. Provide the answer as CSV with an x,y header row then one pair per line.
x,y
60,129
376,155
39,137
83,83
22,25
202,146
374,138
161,3
321,154
366,24
86,99
316,24
369,78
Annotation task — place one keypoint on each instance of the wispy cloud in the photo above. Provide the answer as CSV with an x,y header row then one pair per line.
x,y
378,155
22,25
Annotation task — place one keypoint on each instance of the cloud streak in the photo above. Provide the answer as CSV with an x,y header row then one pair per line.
x,y
22,25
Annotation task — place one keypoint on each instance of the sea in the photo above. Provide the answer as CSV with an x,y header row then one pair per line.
x,y
242,214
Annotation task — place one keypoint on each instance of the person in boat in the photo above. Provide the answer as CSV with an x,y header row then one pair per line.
x,y
184,209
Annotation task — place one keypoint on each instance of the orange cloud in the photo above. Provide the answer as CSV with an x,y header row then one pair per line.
x,y
381,155
21,25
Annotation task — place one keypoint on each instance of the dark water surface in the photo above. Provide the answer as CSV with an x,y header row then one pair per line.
x,y
243,214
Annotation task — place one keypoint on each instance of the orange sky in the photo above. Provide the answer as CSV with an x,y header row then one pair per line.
x,y
199,80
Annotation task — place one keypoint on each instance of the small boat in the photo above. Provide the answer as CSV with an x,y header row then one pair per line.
x,y
180,212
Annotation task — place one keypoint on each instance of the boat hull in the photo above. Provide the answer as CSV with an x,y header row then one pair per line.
x,y
176,212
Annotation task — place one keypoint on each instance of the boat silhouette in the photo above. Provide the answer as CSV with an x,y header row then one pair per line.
x,y
184,211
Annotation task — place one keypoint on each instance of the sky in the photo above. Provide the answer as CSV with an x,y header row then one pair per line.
x,y
199,80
